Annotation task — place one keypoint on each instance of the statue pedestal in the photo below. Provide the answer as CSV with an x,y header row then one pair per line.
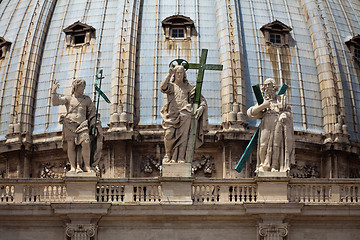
x,y
272,174
176,191
176,170
81,187
176,183
272,187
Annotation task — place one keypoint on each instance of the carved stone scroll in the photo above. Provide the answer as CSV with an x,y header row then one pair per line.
x,y
273,231
80,231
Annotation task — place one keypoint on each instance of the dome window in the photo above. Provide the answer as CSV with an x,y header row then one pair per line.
x,y
177,33
276,33
78,34
4,46
178,27
354,46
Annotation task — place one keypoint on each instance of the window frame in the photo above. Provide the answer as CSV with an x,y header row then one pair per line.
x,y
178,33
78,29
276,29
4,47
354,47
178,22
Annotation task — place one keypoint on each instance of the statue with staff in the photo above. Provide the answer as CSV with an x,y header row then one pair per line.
x,y
82,131
185,114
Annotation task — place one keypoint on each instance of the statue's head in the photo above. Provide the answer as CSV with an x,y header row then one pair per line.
x,y
179,74
269,87
78,86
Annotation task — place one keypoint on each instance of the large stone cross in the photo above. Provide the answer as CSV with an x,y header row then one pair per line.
x,y
202,66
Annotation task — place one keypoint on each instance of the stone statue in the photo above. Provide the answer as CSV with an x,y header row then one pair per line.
x,y
78,124
177,113
275,149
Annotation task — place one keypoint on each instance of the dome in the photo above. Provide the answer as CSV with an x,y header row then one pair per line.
x,y
130,46
134,42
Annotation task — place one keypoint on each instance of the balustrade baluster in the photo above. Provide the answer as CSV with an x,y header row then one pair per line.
x,y
250,193
356,194
150,193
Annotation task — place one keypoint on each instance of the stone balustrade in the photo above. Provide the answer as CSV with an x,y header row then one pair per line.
x,y
214,191
228,191
324,191
128,192
32,190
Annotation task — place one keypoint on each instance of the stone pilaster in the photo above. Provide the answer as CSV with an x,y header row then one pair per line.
x,y
330,82
233,89
273,231
123,83
80,231
20,126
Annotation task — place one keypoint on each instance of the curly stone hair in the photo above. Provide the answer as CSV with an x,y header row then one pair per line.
x,y
77,82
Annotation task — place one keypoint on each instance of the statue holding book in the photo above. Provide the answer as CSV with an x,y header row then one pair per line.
x,y
275,147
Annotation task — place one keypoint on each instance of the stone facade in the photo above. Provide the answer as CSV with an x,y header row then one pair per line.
x,y
134,195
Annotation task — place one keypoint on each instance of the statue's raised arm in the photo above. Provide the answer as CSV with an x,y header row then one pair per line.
x,y
56,99
177,114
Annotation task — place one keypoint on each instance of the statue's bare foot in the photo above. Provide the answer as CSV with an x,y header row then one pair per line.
x,y
172,161
79,170
260,169
72,170
166,159
88,169
181,161
274,170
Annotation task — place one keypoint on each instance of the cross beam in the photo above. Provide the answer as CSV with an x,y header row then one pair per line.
x,y
202,66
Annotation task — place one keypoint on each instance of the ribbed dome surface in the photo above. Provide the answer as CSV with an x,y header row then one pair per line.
x,y
130,44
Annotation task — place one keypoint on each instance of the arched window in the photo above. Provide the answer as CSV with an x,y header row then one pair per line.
x,y
4,47
78,34
276,33
178,27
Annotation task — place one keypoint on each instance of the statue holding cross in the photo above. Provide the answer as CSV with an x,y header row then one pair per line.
x,y
185,114
275,135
